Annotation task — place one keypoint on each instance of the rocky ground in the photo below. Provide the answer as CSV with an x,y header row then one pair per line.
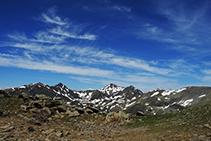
x,y
18,124
18,127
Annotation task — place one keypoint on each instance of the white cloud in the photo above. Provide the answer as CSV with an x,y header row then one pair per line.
x,y
28,46
185,28
46,37
207,71
18,37
207,78
122,8
15,61
137,63
59,49
74,34
52,18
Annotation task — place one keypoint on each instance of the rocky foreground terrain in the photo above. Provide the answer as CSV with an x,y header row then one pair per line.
x,y
33,118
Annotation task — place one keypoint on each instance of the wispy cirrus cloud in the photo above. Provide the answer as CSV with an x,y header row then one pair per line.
x,y
54,41
180,23
122,8
146,83
17,61
62,26
207,72
108,7
51,17
64,32
58,49
89,55
60,30
18,37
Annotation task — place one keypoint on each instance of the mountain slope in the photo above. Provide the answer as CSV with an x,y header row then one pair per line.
x,y
129,99
109,98
161,101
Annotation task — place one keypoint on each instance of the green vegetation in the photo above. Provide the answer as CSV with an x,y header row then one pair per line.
x,y
10,104
187,117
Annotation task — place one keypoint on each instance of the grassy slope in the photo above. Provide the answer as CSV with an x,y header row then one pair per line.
x,y
189,124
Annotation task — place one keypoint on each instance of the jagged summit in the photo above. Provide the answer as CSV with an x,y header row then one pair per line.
x,y
59,84
111,88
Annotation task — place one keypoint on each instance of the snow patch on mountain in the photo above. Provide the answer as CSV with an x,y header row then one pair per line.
x,y
167,93
22,87
154,94
202,96
185,103
180,90
111,88
113,97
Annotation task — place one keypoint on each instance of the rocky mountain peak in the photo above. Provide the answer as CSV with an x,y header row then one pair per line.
x,y
111,88
39,84
59,85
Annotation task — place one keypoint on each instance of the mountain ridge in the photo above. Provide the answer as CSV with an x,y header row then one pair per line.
x,y
129,99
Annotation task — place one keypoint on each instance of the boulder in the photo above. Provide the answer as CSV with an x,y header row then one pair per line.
x,y
57,98
139,113
37,104
88,111
61,108
41,96
95,110
24,108
23,95
117,116
46,111
80,110
33,110
74,114
3,94
1,113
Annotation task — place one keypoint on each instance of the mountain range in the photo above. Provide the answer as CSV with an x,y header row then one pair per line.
x,y
128,99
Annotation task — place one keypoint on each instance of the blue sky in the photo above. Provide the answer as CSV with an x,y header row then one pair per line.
x,y
88,44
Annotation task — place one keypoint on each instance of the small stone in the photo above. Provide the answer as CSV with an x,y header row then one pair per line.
x,y
202,137
31,129
9,129
207,125
208,134
59,134
35,123
1,113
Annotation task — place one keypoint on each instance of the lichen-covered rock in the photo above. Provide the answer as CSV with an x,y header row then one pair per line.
x,y
57,98
3,94
73,114
95,110
61,108
40,96
46,111
88,111
23,95
80,110
37,104
24,108
139,113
